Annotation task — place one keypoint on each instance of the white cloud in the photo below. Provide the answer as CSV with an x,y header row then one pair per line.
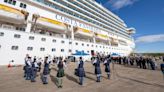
x,y
117,4
150,38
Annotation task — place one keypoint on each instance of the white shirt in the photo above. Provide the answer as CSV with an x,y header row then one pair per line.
x,y
95,61
29,62
63,63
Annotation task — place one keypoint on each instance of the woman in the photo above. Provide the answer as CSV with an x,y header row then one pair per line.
x,y
96,63
107,66
81,72
60,72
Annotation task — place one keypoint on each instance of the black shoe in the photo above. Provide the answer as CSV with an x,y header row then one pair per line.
x,y
60,86
33,81
45,83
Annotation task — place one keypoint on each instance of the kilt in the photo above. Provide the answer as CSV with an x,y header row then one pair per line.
x,y
81,72
60,73
97,70
46,71
107,69
162,68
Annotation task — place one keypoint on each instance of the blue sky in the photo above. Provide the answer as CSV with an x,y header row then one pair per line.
x,y
146,16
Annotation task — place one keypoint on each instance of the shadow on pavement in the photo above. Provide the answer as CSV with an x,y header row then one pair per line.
x,y
71,78
53,79
95,75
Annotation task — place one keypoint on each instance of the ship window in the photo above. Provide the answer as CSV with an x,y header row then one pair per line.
x,y
70,42
0,46
100,46
76,43
17,36
53,40
42,49
62,50
21,4
87,44
31,37
14,47
10,1
14,2
22,29
43,39
5,1
53,49
62,41
87,51
30,48
92,45
96,45
17,28
1,33
70,50
24,5
82,44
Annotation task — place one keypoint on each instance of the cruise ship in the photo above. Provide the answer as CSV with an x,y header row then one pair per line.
x,y
60,28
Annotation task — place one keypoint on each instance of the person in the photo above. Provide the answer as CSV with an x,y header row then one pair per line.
x,y
34,70
81,72
96,63
39,64
152,64
162,69
46,71
60,72
107,66
25,66
28,68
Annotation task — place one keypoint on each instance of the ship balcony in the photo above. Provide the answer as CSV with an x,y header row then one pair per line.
x,y
9,14
51,25
83,32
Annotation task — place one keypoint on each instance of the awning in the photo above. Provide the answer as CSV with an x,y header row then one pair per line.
x,y
115,55
80,53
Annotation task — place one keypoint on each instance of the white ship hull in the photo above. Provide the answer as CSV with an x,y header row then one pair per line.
x,y
56,33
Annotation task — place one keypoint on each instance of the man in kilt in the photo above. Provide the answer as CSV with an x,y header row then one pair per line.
x,y
96,63
46,71
60,72
34,70
81,72
107,66
162,69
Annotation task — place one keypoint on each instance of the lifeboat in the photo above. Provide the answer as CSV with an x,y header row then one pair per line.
x,y
51,25
83,32
101,36
12,15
